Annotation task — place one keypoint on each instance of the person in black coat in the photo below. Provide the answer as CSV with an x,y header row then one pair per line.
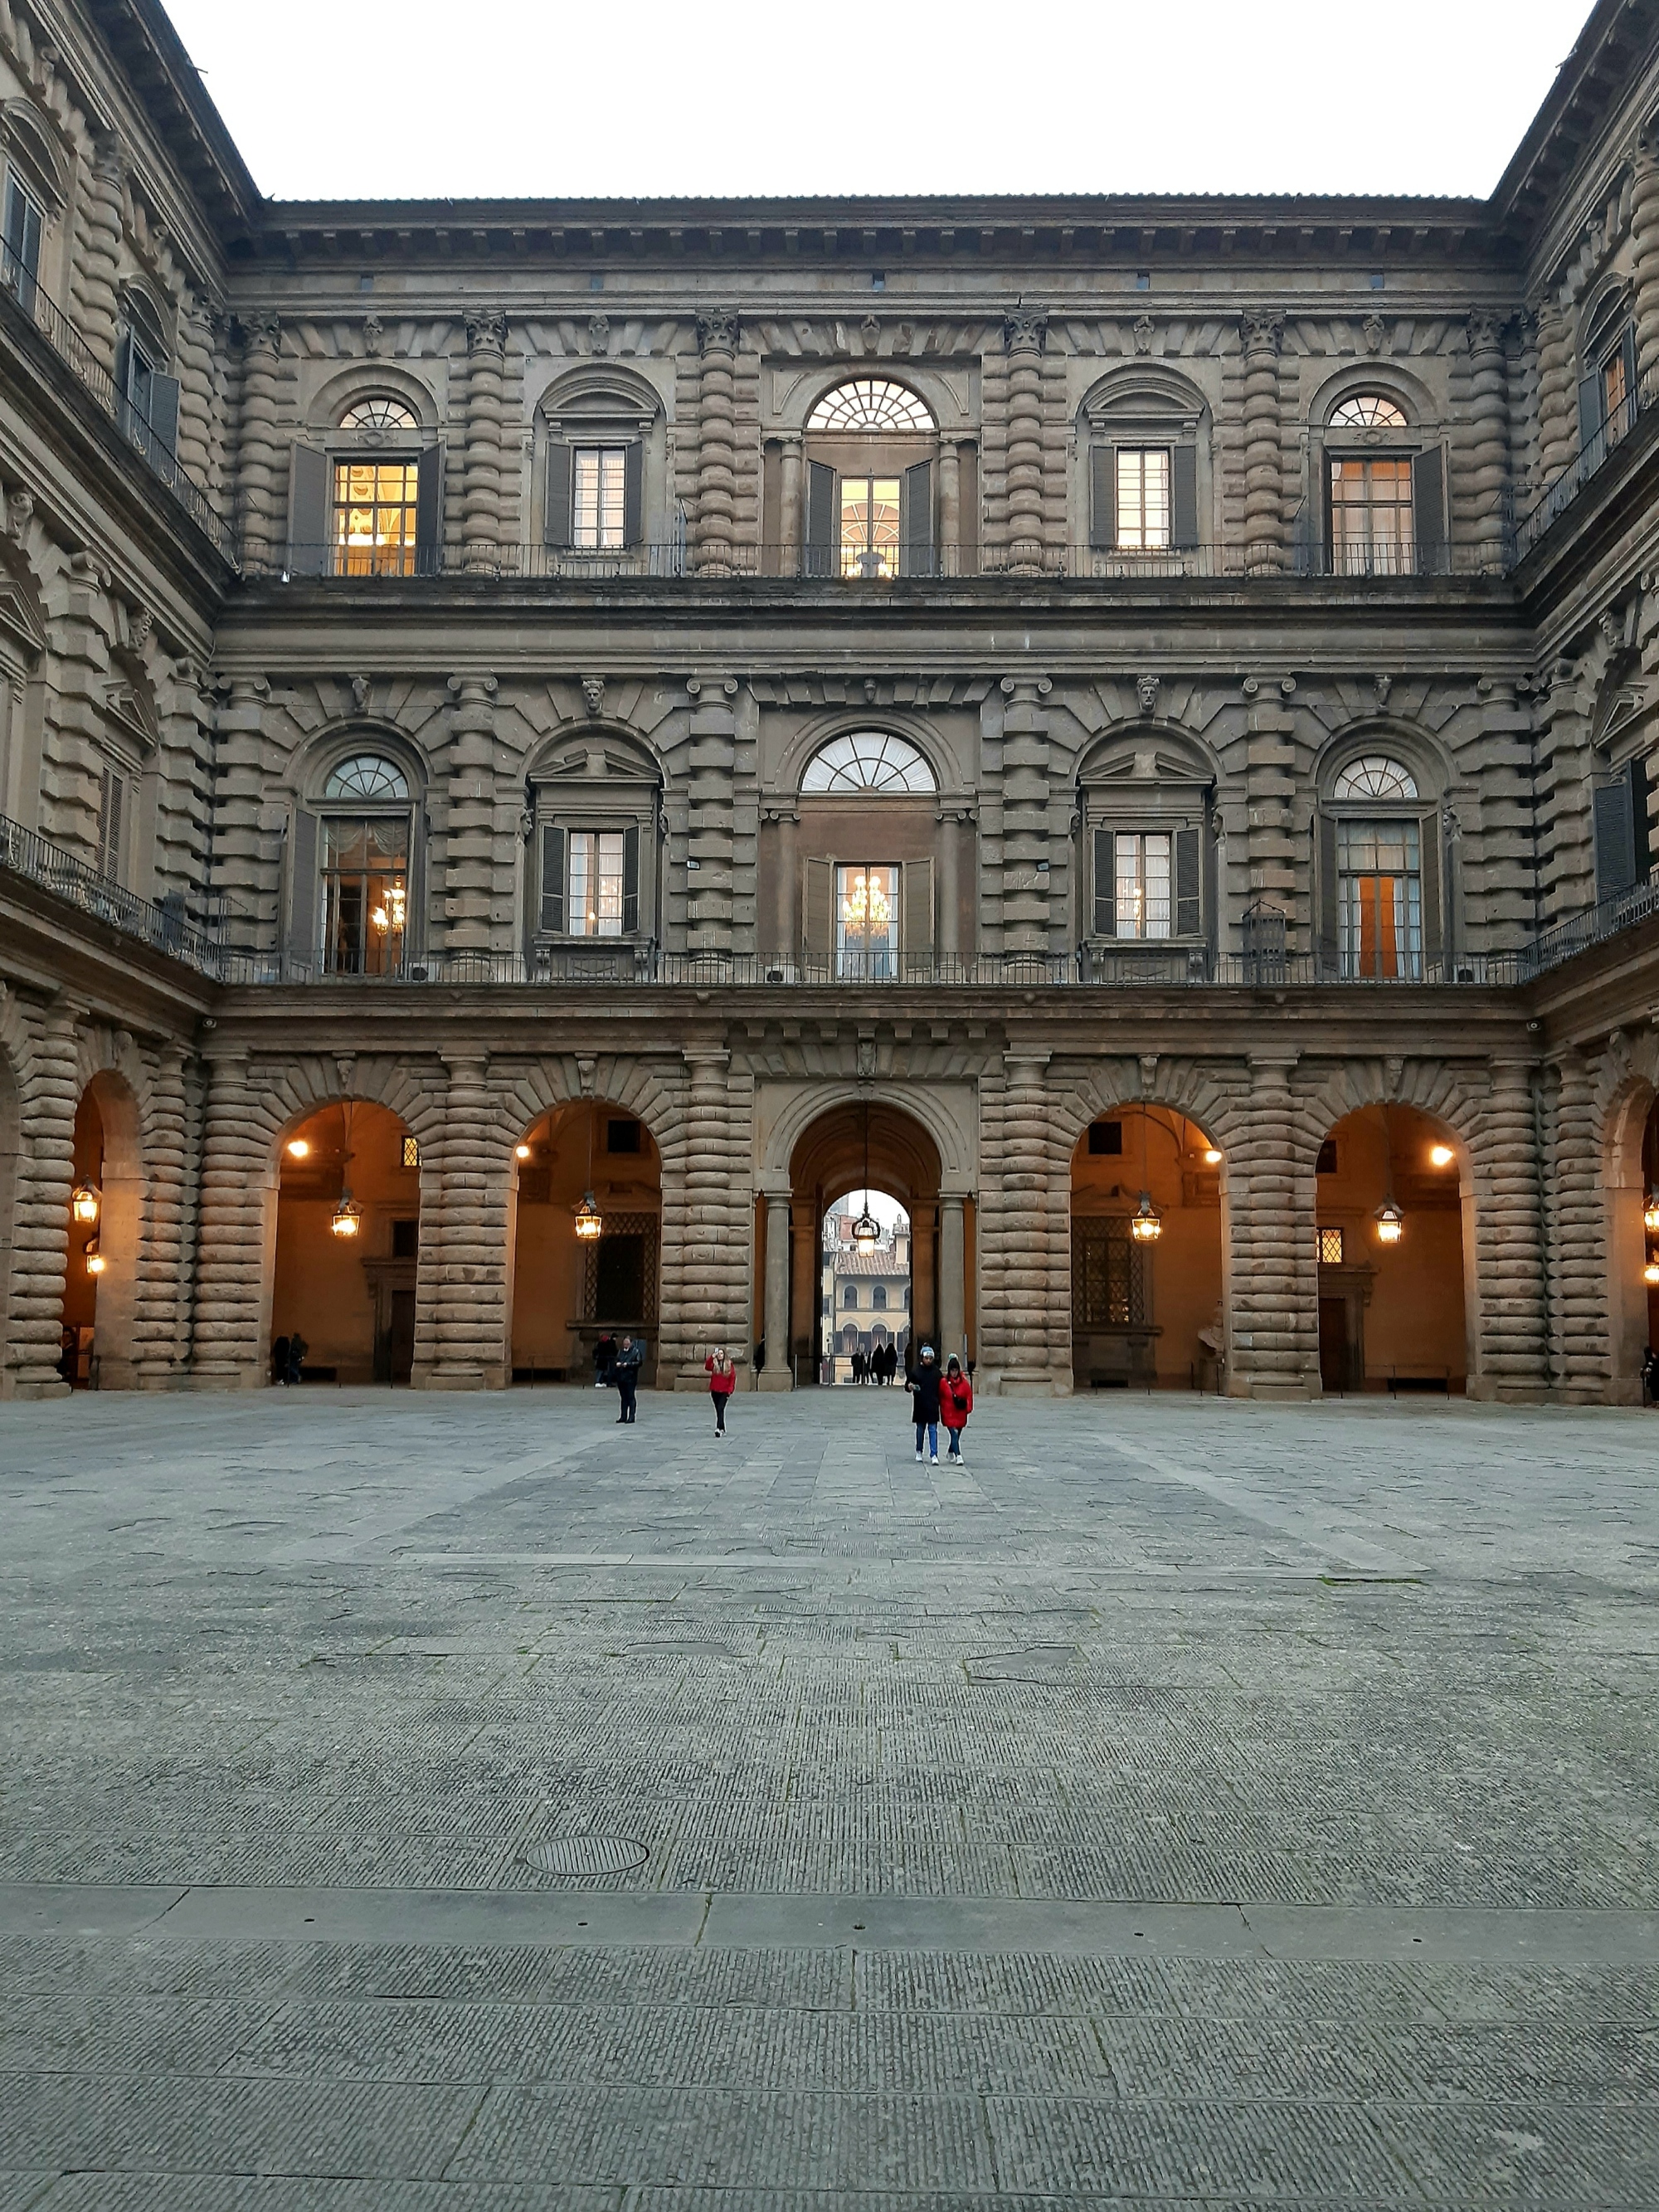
x,y
924,1402
626,1371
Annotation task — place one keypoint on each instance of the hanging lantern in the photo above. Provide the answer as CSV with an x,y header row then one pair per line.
x,y
347,1217
1651,1273
1390,1224
866,1230
589,1219
1651,1214
1212,1158
1146,1222
84,1201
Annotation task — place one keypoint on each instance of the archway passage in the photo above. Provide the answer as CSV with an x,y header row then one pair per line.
x,y
871,1144
1631,1175
570,1290
105,1210
1393,1307
349,1297
866,1286
1147,1311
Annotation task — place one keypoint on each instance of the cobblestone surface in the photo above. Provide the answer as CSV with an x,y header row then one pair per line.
x,y
1186,1803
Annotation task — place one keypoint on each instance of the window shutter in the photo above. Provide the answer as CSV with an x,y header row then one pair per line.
x,y
630,916
164,415
916,916
556,523
430,512
916,520
1627,347
1330,934
633,494
302,889
1187,913
1103,497
818,912
822,500
307,511
124,380
1429,511
1323,520
1589,411
1640,843
1434,932
552,883
1105,884
1615,839
110,796
1183,498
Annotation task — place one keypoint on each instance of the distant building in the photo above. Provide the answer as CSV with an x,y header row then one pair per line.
x,y
866,1295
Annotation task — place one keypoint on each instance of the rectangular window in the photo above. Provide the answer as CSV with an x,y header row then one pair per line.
x,y
1330,1248
365,893
1105,1138
411,1154
1143,499
375,504
869,526
1615,390
621,1136
1380,899
1143,888
867,923
599,498
1372,532
594,904
24,227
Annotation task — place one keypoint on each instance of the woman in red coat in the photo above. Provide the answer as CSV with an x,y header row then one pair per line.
x,y
722,1382
956,1402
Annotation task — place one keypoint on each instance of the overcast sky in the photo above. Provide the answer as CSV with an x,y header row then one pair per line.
x,y
406,98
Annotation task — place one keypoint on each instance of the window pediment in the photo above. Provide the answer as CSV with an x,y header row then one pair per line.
x,y
27,141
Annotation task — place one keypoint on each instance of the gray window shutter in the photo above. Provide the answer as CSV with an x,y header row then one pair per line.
x,y
124,381
552,886
631,880
1434,932
1183,498
1188,915
307,512
1615,839
110,795
818,912
823,498
164,415
916,916
557,526
1330,934
634,494
1641,845
302,889
916,520
1590,395
1429,511
430,512
1105,884
1627,347
1103,497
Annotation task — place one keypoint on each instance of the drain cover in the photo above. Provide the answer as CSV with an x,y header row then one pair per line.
x,y
577,1854
1043,1662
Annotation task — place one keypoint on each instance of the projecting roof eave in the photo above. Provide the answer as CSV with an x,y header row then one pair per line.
x,y
163,78
1609,53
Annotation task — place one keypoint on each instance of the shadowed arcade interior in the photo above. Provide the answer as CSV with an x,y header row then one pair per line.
x,y
1146,1308
571,1287
1392,1300
100,1277
348,1292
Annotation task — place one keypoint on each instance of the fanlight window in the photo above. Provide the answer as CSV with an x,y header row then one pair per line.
x,y
381,415
1369,411
366,776
868,759
870,403
1376,776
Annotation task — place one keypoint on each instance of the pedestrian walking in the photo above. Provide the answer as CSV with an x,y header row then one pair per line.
x,y
279,1361
625,1373
924,1402
722,1382
297,1349
1650,1376
956,1401
604,1353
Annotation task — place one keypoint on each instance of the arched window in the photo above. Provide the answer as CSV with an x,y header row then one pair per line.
x,y
849,1298
147,396
1381,862
868,759
871,404
878,1297
386,415
364,865
1375,776
870,481
384,496
1606,384
1385,500
1369,411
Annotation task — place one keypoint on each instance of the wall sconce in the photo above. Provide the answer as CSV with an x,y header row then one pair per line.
x,y
84,1201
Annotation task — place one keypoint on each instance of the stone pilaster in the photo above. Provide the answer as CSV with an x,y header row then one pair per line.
x,y
706,1250
777,1374
1489,441
199,326
1644,229
468,857
1023,334
1275,852
1025,1325
952,1277
1580,1347
259,460
236,1235
1026,841
712,754
1557,432
1510,1348
717,480
161,1279
1264,487
1271,1255
460,1294
481,490
45,1175
99,306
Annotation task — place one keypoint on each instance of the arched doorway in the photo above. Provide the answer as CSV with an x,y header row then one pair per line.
x,y
1631,1175
866,1285
569,1288
1393,1188
856,1144
106,1210
11,1140
344,1279
1146,1308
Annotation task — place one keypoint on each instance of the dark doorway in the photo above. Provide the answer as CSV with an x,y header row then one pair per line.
x,y
1334,1361
619,1290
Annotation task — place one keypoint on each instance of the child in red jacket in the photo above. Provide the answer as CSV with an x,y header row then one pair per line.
x,y
956,1402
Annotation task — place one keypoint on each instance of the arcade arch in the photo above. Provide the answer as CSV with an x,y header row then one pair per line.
x,y
350,1294
568,1289
1147,1310
11,1146
105,1212
1630,1181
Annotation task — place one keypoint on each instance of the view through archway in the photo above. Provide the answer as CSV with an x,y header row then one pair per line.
x,y
100,1275
865,1289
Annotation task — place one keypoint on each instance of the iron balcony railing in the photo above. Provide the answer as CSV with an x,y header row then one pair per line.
x,y
197,928
1564,488
1591,925
22,294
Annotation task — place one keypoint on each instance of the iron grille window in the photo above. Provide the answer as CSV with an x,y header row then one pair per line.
x,y
1108,1281
1330,1248
619,1271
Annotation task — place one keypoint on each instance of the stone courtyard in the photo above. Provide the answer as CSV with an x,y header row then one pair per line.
x,y
1189,1802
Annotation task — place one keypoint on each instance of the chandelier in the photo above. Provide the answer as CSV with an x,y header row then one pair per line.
x,y
865,911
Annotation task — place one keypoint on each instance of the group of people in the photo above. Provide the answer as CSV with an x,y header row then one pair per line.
x,y
879,1365
617,1367
288,1358
939,1401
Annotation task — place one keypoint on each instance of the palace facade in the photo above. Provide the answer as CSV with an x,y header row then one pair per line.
x,y
536,734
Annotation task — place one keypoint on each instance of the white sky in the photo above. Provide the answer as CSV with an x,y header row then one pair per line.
x,y
406,98
886,1210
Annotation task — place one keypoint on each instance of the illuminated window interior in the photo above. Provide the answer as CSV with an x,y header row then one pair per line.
x,y
594,884
869,526
866,921
1380,899
1372,532
1330,1248
1143,499
1143,887
376,495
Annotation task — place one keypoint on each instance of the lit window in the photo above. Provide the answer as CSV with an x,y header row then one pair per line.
x,y
1369,411
25,223
866,922
595,893
411,1152
1376,776
365,893
867,760
599,494
375,503
367,776
1143,499
869,526
1372,531
870,403
1380,899
1330,1248
1615,389
1143,884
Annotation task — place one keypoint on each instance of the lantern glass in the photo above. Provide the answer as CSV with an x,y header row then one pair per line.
x,y
589,1220
299,1148
1146,1225
84,1201
95,1263
1390,1224
1651,1214
347,1218
1651,1273
866,1232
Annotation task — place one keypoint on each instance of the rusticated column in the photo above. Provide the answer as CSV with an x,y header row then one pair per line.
x,y
1645,230
777,1375
1025,814
1023,332
46,1174
481,485
161,1277
1507,1258
469,846
258,457
460,1295
1026,1332
237,1237
949,561
1557,442
1489,441
1264,464
713,756
717,477
100,307
1580,1353
199,325
705,1239
1272,1257
790,520
952,1277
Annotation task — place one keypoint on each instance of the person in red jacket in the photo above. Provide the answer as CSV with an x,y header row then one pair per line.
x,y
956,1402
722,1382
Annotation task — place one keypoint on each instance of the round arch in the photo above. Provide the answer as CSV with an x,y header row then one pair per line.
x,y
1422,753
311,764
1387,379
1630,1173
820,730
102,1263
370,380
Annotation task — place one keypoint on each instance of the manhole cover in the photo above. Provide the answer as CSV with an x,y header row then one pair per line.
x,y
577,1854
1043,1662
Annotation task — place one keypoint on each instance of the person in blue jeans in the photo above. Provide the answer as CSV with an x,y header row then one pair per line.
x,y
924,1402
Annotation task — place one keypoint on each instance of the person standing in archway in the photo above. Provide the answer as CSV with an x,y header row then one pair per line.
x,y
626,1373
722,1382
924,1402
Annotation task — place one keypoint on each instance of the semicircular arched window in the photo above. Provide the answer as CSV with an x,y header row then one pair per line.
x,y
1375,775
868,759
1369,411
381,414
367,776
871,405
